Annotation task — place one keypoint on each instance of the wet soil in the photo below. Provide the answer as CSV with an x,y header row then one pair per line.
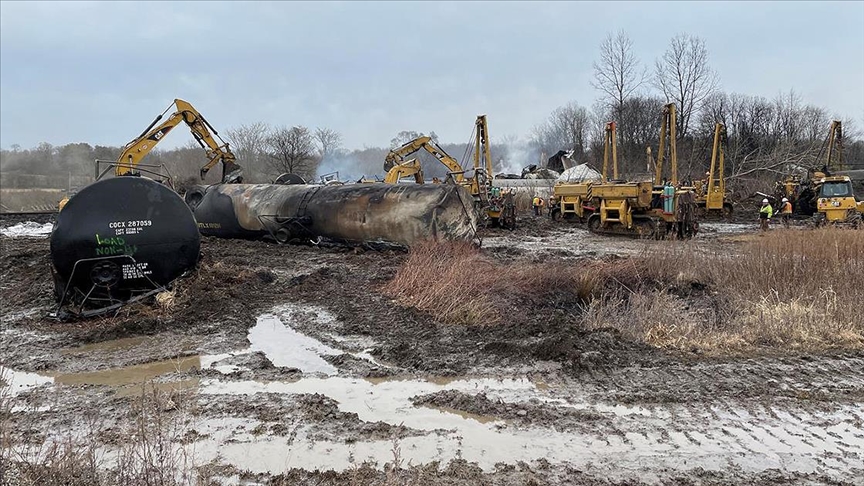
x,y
534,400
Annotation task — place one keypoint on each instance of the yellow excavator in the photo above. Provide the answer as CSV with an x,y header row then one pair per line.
x,y
397,156
207,137
711,193
658,208
129,161
405,169
495,204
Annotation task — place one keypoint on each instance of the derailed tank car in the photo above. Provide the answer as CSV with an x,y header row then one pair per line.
x,y
119,239
401,214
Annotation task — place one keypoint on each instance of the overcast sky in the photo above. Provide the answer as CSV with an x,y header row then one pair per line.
x,y
99,72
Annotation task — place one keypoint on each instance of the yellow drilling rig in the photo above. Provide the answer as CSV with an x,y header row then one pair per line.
x,y
827,197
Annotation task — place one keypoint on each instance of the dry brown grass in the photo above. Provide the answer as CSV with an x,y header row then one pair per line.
x,y
460,285
787,289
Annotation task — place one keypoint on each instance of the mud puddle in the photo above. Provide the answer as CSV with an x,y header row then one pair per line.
x,y
564,243
618,438
14,382
629,438
728,228
274,337
128,380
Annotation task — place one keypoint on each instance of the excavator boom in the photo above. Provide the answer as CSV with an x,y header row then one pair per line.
x,y
207,137
397,156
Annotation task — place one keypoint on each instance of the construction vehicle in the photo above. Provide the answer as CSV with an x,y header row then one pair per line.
x,y
129,161
647,209
397,156
822,195
711,193
405,169
207,137
836,202
495,204
574,200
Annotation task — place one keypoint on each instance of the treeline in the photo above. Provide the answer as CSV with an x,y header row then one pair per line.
x,y
766,138
263,151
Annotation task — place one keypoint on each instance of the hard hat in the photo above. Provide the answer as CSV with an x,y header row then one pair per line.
x,y
785,200
764,201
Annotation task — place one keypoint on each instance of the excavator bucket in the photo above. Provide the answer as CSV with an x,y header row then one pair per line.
x,y
232,173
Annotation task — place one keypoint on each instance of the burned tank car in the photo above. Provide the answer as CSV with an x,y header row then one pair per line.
x,y
119,238
401,214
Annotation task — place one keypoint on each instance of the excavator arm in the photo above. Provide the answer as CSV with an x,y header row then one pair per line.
x,y
405,169
206,136
397,156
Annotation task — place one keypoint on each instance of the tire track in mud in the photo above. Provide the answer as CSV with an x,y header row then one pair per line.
x,y
821,380
714,427
801,415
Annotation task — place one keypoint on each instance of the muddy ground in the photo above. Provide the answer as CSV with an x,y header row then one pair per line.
x,y
289,366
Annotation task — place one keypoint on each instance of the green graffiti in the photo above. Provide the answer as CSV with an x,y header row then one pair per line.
x,y
113,246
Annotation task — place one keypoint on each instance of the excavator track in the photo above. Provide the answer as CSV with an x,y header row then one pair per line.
x,y
644,227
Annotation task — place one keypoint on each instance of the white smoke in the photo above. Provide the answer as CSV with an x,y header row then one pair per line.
x,y
515,156
351,166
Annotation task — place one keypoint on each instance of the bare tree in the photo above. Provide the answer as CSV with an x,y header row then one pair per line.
x,y
249,143
684,76
293,150
328,140
617,74
566,128
572,120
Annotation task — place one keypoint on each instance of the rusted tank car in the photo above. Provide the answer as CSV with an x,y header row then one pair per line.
x,y
400,214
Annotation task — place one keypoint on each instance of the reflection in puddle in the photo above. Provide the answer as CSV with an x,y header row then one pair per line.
x,y
483,419
16,382
130,374
130,379
287,348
